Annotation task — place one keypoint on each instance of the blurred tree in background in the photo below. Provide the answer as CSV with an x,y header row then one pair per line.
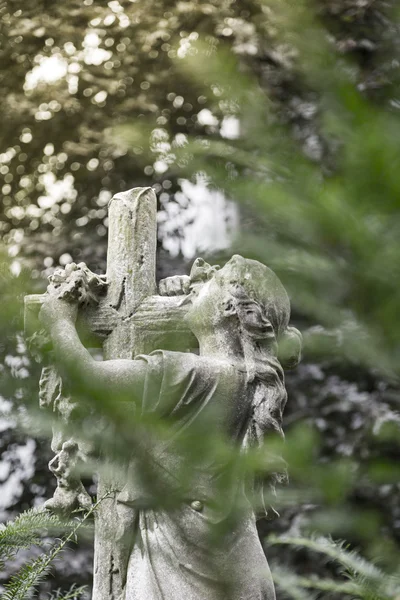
x,y
72,73
290,112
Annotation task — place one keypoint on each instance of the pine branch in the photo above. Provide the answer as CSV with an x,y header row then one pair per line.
x,y
73,594
283,577
27,530
31,574
385,589
288,583
368,581
27,578
349,559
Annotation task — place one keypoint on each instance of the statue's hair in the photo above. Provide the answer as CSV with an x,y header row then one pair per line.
x,y
258,301
260,343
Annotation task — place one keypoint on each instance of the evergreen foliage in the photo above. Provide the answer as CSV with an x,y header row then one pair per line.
x,y
27,530
364,579
73,594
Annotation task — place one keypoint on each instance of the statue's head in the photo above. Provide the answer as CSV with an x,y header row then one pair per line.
x,y
244,296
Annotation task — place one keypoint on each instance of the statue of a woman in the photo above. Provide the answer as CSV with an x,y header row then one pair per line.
x,y
234,388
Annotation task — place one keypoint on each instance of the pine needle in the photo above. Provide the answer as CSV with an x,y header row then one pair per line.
x,y
366,580
288,583
291,582
27,530
73,593
31,574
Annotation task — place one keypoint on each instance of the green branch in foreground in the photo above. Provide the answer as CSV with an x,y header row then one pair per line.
x,y
73,594
337,551
289,583
367,581
26,530
295,585
32,573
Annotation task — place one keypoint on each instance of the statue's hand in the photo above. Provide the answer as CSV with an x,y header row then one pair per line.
x,y
175,286
182,285
76,283
69,289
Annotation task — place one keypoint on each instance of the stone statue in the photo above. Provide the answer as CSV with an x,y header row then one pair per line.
x,y
205,545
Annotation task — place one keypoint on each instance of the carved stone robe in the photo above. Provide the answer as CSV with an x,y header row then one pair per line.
x,y
198,549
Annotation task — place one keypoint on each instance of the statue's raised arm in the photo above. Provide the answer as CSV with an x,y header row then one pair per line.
x,y
70,290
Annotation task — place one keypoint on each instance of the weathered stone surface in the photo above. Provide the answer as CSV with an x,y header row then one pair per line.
x,y
235,318
77,285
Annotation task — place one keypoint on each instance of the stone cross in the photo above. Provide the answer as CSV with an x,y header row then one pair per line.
x,y
130,319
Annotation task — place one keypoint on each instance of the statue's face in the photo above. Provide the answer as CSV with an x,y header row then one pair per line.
x,y
208,300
